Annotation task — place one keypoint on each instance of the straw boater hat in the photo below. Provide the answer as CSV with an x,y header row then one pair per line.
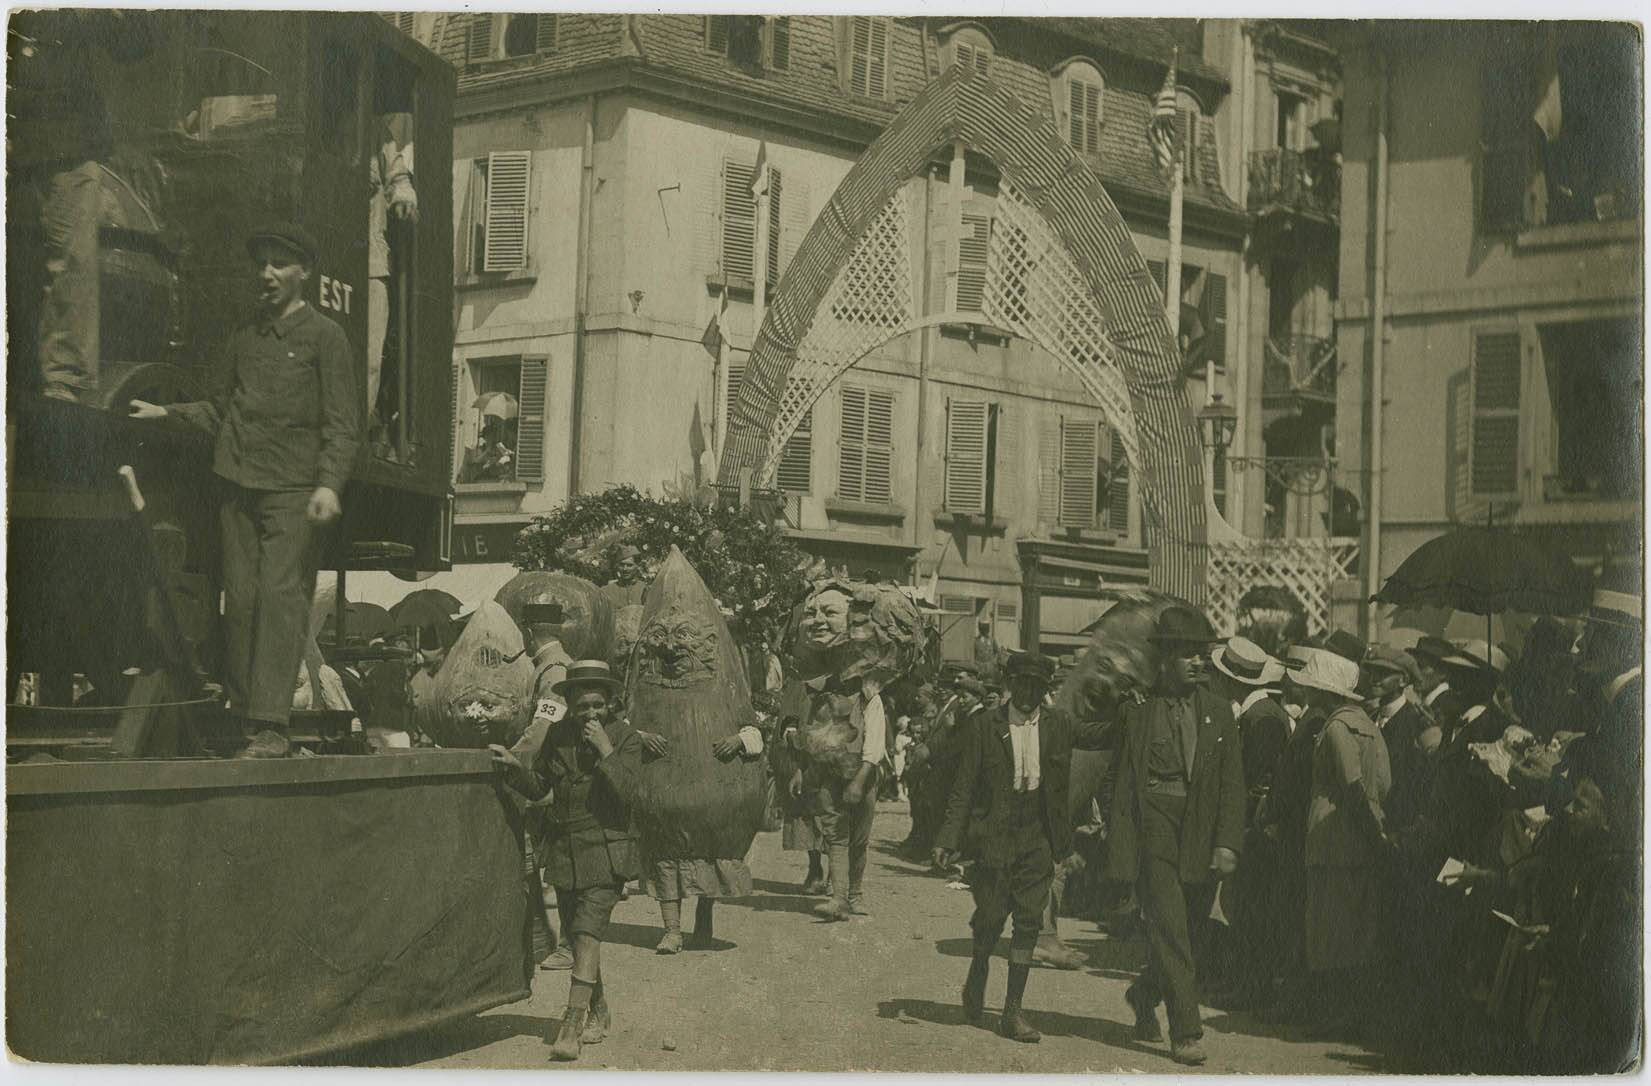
x,y
594,674
1478,655
1620,607
1245,661
1326,671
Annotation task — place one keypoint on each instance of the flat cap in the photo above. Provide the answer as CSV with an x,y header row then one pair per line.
x,y
289,234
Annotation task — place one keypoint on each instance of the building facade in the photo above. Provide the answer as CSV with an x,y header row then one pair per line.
x,y
1493,231
604,167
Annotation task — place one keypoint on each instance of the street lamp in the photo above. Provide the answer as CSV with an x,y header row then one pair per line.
x,y
1216,423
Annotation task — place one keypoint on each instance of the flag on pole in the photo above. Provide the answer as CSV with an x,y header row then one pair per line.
x,y
1161,128
713,338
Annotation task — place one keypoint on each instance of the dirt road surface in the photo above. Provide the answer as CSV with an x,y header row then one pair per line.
x,y
783,991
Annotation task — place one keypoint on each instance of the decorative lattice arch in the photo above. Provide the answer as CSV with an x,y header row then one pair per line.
x,y
1308,568
1062,271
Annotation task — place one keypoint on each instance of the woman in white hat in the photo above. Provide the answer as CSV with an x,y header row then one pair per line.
x,y
1345,839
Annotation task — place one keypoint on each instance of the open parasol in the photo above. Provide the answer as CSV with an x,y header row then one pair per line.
x,y
501,405
1488,571
425,607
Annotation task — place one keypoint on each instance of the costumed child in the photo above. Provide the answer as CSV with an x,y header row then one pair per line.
x,y
588,766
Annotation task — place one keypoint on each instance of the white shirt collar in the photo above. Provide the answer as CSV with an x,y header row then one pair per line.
x,y
1242,707
1017,717
1433,695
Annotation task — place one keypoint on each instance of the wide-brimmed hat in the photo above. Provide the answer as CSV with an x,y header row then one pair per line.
x,y
1330,672
1618,604
1349,646
1432,649
543,614
1478,655
1031,664
1183,625
1244,661
594,674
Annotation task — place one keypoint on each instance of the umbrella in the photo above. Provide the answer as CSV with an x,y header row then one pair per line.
x,y
362,620
425,607
497,404
1488,571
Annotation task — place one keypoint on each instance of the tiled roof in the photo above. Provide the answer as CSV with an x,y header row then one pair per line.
x,y
1144,39
676,44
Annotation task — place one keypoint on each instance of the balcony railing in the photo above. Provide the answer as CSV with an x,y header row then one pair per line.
x,y
1300,365
1307,181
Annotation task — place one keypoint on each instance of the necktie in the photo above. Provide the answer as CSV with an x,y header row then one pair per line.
x,y
1187,722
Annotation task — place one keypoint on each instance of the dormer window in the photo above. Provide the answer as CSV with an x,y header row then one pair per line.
x,y
971,48
751,41
1079,93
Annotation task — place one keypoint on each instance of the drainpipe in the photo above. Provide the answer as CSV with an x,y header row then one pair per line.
x,y
1378,351
1249,407
581,294
921,521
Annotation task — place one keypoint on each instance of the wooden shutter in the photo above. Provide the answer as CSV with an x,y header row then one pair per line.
x,y
868,56
972,249
1160,272
957,627
530,422
966,425
776,228
851,456
1188,131
1083,115
1078,446
739,221
479,38
795,474
507,187
779,42
1496,378
1049,470
736,378
464,238
454,449
879,446
544,37
1215,313
1117,494
716,34
1505,124
794,220
1003,484
406,22
972,57
1459,446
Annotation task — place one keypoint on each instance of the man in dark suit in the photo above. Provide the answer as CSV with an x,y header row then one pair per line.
x,y
1008,812
1177,822
1443,703
1397,711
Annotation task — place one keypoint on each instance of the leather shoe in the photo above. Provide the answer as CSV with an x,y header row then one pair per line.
x,y
560,958
568,1036
669,943
1190,1053
1014,1026
1057,955
816,886
832,910
268,743
1146,1017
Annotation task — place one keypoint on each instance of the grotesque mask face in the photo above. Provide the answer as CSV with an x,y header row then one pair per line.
x,y
678,649
826,621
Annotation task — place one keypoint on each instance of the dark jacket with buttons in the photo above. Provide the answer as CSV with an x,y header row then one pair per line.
x,y
284,410
1214,816
585,835
977,816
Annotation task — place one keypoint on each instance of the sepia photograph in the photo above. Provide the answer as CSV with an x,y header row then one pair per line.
x,y
882,543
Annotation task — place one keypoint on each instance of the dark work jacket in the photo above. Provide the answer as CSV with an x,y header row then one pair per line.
x,y
1411,769
586,838
1264,728
285,409
977,815
1214,815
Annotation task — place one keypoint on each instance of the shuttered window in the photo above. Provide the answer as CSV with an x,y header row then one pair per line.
x,y
868,55
1117,490
545,35
1496,380
776,183
455,433
972,250
795,474
866,448
502,231
1505,119
405,22
716,34
779,42
530,424
739,221
1215,318
478,42
977,58
734,36
1187,122
1083,119
966,450
1078,449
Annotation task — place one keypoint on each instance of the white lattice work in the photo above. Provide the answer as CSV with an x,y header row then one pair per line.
x,y
1033,289
1308,568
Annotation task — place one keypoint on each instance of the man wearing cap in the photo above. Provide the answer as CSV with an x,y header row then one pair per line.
x,y
285,416
1008,812
542,622
1248,676
1611,681
1397,714
1177,822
